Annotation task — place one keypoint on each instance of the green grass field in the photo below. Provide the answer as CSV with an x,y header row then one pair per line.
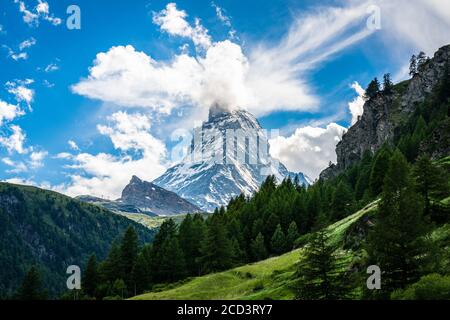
x,y
268,279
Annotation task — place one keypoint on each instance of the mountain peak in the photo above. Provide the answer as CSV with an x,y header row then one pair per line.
x,y
135,179
229,155
149,197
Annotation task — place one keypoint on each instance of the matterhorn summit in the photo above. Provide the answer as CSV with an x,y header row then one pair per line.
x,y
229,155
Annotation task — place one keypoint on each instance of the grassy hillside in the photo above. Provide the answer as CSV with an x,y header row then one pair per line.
x,y
52,231
268,279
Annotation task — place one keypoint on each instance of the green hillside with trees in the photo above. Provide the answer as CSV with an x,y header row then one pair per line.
x,y
43,232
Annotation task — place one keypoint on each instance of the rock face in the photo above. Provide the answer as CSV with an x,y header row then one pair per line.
x,y
148,197
384,113
229,156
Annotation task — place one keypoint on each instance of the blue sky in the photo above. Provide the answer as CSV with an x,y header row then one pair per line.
x,y
80,125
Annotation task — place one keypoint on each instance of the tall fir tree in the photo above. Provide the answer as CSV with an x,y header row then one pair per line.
x,y
372,89
142,272
396,242
342,202
388,86
129,250
172,263
217,249
378,170
431,181
90,280
278,241
32,287
292,235
258,248
321,274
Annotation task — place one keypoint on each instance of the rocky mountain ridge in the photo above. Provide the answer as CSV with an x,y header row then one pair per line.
x,y
383,115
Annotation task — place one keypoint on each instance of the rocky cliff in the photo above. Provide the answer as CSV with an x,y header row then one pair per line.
x,y
384,113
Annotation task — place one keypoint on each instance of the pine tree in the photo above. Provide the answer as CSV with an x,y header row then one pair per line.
x,y
292,235
258,248
91,277
110,268
142,273
421,60
395,243
413,65
217,250
31,288
431,181
191,234
172,263
320,273
387,84
373,89
129,250
342,202
278,241
378,171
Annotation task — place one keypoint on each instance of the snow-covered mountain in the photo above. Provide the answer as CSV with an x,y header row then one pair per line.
x,y
229,155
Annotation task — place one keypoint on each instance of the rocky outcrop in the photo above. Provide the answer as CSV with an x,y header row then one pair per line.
x,y
385,112
149,197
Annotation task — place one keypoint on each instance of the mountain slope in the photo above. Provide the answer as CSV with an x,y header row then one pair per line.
x,y
229,156
267,279
52,231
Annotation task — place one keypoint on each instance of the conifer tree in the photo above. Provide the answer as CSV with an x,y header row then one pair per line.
x,y
342,202
387,84
395,243
258,248
292,235
31,288
378,171
172,263
278,241
321,273
217,250
431,181
373,89
128,255
142,272
91,277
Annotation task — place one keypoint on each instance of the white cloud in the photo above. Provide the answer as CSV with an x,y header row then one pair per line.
x,y
51,67
220,13
37,158
9,112
20,91
64,156
357,104
271,77
73,145
308,149
19,56
173,21
41,11
2,29
17,167
15,141
27,43
105,174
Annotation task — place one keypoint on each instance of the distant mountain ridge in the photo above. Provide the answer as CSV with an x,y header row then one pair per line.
x,y
217,169
145,198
